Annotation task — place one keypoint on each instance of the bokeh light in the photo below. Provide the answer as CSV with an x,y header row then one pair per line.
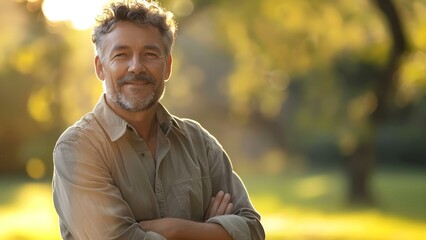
x,y
182,8
36,168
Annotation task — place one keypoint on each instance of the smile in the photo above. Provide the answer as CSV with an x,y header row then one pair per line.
x,y
137,83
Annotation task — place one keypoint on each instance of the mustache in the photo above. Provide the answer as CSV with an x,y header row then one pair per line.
x,y
131,77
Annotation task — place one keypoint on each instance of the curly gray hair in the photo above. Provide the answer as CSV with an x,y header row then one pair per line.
x,y
138,12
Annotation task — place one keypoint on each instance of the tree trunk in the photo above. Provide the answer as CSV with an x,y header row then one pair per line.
x,y
360,166
387,83
361,163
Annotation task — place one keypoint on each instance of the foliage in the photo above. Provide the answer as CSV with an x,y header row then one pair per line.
x,y
296,76
39,94
28,86
314,64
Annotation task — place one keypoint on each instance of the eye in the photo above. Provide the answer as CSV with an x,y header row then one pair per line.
x,y
152,55
119,55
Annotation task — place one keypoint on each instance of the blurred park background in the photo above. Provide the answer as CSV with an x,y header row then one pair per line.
x,y
321,106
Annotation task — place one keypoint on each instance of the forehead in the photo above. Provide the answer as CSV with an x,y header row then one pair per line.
x,y
133,36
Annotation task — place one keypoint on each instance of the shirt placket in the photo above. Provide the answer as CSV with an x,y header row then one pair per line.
x,y
144,156
163,146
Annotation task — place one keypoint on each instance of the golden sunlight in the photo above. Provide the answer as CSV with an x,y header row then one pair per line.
x,y
31,215
80,14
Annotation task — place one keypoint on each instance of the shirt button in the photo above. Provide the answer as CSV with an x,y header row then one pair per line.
x,y
142,154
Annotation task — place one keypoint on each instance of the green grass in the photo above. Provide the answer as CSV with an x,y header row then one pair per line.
x,y
303,205
323,191
313,205
401,193
397,192
9,188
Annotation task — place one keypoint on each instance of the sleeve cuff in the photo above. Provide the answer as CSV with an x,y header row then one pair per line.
x,y
235,225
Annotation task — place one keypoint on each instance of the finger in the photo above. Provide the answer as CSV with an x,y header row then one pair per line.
x,y
216,203
210,207
223,204
229,208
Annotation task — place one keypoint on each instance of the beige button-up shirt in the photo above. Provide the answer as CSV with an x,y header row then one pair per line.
x,y
106,181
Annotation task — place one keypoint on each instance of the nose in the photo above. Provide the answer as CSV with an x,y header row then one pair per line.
x,y
136,65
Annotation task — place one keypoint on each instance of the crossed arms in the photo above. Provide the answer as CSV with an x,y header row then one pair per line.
x,y
90,195
175,228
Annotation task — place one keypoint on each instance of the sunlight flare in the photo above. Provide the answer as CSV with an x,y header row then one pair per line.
x,y
80,14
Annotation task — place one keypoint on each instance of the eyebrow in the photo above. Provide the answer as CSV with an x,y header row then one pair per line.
x,y
147,47
119,47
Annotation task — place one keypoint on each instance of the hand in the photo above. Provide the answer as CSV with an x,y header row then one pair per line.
x,y
220,205
174,228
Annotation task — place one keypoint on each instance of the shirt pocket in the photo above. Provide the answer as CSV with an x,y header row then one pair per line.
x,y
192,198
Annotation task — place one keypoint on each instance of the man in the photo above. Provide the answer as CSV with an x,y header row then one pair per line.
x,y
129,169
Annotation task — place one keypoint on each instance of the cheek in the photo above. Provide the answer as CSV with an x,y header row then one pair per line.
x,y
117,67
115,73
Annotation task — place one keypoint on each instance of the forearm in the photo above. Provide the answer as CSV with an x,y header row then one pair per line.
x,y
173,228
205,231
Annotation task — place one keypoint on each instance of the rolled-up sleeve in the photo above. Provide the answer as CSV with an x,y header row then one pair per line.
x,y
244,222
235,225
88,203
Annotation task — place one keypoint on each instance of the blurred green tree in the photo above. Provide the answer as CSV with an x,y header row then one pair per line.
x,y
384,88
320,74
30,71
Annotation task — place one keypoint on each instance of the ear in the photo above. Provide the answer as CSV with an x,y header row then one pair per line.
x,y
99,68
168,70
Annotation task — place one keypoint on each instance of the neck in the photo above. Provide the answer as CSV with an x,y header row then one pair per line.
x,y
144,122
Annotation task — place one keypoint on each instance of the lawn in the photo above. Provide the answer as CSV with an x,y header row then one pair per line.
x,y
293,206
313,206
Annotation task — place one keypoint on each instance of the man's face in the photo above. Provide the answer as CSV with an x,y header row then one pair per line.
x,y
134,66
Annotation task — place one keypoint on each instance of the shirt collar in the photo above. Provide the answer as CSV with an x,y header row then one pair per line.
x,y
115,126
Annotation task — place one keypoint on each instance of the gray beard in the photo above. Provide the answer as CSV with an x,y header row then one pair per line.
x,y
129,104
134,106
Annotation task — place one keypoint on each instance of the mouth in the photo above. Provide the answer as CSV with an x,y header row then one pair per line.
x,y
137,83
